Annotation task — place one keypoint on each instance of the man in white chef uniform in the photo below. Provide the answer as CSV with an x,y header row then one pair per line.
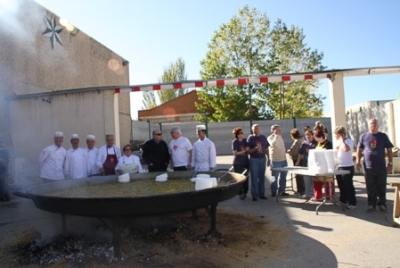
x,y
77,161
204,153
93,153
52,158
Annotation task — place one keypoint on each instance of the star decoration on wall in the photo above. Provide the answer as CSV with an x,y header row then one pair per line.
x,y
52,31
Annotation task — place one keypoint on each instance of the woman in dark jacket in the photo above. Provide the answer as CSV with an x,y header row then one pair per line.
x,y
240,159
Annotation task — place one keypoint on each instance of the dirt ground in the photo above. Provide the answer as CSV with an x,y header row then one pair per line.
x,y
175,240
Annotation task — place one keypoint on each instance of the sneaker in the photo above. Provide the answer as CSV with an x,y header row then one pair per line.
x,y
370,209
382,208
254,198
304,196
273,194
283,194
243,196
263,197
340,204
351,207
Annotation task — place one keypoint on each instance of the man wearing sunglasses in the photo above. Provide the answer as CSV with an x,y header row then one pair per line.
x,y
155,153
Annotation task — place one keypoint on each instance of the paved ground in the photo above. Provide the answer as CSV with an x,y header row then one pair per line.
x,y
334,238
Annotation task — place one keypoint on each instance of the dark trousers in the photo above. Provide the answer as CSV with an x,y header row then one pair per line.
x,y
346,186
239,169
182,168
376,186
155,168
300,184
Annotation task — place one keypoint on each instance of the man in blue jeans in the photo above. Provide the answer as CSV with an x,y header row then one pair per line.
x,y
373,145
278,159
257,148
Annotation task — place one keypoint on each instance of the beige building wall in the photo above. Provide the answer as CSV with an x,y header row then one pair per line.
x,y
35,66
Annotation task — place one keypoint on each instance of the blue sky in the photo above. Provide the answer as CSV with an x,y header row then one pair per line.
x,y
153,33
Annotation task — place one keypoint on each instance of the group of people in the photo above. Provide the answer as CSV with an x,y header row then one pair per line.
x,y
252,155
201,156
57,163
258,152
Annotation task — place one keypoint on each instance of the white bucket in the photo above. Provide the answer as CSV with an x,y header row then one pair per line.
x,y
203,183
214,181
162,178
331,160
124,178
203,176
317,161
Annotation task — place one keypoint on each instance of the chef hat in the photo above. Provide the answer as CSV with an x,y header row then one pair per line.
x,y
90,137
58,134
200,127
74,136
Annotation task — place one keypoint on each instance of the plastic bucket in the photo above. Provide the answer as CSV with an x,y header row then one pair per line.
x,y
203,183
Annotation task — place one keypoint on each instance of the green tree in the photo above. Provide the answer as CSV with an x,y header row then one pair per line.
x,y
246,46
289,54
174,72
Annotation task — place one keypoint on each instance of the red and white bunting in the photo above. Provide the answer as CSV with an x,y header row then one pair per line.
x,y
224,82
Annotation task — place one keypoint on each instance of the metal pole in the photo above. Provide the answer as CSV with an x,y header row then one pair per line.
x,y
251,111
294,122
160,124
148,122
206,123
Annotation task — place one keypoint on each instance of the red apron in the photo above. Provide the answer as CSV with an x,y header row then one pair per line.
x,y
110,163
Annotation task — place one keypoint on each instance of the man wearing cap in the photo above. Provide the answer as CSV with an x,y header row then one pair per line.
x,y
52,158
180,149
109,155
278,159
92,153
76,161
155,152
204,153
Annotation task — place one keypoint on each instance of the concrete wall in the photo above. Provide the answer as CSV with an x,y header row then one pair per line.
x,y
30,63
388,116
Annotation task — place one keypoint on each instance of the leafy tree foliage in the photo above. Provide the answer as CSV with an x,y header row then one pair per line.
x,y
289,54
246,46
174,72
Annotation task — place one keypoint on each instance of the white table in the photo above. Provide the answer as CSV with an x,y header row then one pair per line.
x,y
306,172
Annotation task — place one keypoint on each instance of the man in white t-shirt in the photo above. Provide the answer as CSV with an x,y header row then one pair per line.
x,y
180,149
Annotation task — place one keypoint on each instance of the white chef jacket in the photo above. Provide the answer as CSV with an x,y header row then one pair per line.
x,y
179,150
204,156
77,163
92,155
103,154
133,159
51,162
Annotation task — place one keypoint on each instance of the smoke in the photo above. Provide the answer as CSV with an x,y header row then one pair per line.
x,y
28,64
20,19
